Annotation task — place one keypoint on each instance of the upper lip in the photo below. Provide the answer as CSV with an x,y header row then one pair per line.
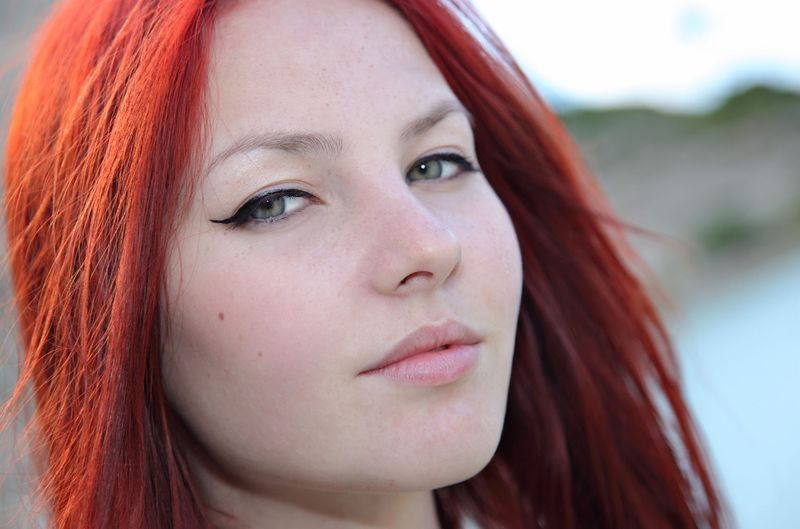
x,y
425,338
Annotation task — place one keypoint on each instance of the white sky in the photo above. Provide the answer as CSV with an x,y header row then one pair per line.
x,y
674,54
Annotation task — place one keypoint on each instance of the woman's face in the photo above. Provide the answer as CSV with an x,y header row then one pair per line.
x,y
270,323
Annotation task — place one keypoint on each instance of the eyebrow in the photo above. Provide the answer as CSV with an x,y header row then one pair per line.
x,y
302,143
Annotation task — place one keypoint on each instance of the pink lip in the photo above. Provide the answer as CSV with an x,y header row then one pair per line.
x,y
414,358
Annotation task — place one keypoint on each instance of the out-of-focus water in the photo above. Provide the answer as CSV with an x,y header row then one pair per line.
x,y
740,356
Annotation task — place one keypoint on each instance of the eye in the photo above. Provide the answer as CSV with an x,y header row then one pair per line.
x,y
269,207
275,206
441,166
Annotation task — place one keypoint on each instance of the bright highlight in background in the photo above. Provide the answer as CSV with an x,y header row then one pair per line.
x,y
674,54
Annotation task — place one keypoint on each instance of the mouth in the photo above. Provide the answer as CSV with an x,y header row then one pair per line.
x,y
435,367
446,347
428,338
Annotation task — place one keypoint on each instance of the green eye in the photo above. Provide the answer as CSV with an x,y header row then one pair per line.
x,y
429,170
269,208
440,166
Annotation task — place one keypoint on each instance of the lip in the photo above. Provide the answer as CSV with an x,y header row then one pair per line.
x,y
414,358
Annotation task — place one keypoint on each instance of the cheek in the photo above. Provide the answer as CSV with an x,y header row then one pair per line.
x,y
234,306
242,345
495,255
498,279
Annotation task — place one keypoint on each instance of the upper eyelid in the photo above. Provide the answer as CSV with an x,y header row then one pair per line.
x,y
259,195
268,192
432,154
444,151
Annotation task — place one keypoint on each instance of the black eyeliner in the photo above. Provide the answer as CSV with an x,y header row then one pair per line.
x,y
242,214
463,162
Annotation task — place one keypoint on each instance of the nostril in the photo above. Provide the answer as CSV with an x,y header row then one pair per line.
x,y
410,277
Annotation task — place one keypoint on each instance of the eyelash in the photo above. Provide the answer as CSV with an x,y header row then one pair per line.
x,y
242,215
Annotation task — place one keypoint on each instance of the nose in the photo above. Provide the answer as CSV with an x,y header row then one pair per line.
x,y
415,248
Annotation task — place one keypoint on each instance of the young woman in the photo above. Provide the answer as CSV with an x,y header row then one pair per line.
x,y
326,264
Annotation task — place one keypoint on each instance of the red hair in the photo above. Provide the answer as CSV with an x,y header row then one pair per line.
x,y
100,156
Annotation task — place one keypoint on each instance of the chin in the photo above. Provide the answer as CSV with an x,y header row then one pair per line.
x,y
455,455
470,463
442,466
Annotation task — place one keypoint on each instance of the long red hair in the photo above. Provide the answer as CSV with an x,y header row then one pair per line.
x,y
98,167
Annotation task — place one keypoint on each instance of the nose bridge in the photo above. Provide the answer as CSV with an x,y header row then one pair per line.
x,y
412,245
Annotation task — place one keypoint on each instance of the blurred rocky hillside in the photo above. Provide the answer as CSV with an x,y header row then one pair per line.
x,y
722,187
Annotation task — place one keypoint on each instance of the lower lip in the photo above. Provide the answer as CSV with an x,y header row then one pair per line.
x,y
433,368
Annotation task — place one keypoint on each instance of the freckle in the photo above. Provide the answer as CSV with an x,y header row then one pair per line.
x,y
260,353
221,316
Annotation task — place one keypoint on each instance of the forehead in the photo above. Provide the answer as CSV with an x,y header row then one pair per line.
x,y
290,64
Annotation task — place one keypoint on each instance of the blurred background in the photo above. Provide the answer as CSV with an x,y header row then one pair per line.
x,y
688,112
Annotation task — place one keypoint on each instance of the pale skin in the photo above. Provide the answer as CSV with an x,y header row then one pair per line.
x,y
270,324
